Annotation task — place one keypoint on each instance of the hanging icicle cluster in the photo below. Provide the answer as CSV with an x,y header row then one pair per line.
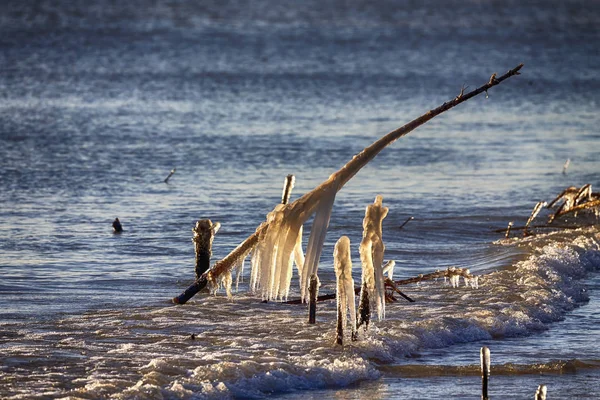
x,y
272,259
279,245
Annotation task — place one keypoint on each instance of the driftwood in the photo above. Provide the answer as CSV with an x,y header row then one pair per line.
x,y
581,207
307,204
447,273
520,228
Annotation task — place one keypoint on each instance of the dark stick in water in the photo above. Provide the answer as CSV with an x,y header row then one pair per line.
x,y
170,175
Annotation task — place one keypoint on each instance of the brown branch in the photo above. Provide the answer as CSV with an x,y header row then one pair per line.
x,y
435,275
580,207
394,284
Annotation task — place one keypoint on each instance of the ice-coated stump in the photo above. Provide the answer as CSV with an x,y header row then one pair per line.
x,y
371,254
342,264
371,250
203,236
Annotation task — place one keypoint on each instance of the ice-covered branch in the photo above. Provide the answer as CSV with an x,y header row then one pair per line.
x,y
452,273
297,212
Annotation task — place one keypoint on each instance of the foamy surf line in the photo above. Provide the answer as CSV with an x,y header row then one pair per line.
x,y
520,300
246,349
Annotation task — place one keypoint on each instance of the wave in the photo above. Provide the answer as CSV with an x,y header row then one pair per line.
x,y
244,348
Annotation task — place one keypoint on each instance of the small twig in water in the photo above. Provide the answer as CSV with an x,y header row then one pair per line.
x,y
170,175
406,222
566,166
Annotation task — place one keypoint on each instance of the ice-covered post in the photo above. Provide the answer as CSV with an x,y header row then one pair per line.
x,y
371,256
313,293
346,309
540,393
204,233
485,372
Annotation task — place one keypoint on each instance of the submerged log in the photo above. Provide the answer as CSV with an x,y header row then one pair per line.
x,y
305,206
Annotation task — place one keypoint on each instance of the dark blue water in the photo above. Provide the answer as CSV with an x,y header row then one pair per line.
x,y
100,100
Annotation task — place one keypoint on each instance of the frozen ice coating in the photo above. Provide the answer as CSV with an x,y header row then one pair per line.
x,y
536,210
371,255
279,246
342,264
317,236
388,269
320,199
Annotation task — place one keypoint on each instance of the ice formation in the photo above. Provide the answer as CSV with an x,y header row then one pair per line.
x,y
342,264
272,259
317,238
371,255
535,212
388,269
279,245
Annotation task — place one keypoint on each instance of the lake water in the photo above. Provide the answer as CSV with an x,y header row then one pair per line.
x,y
100,100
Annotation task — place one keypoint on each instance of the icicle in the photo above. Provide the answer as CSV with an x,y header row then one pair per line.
x,y
288,246
371,255
585,193
388,269
226,281
239,271
342,265
317,236
299,255
534,213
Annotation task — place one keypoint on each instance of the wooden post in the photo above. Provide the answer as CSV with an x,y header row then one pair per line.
x,y
204,233
312,299
540,393
364,307
341,319
510,224
117,228
485,372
